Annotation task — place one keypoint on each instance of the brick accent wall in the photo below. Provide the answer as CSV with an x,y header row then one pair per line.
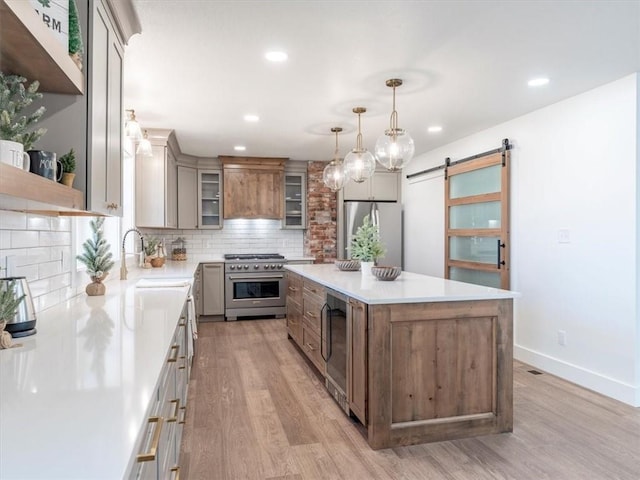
x,y
320,239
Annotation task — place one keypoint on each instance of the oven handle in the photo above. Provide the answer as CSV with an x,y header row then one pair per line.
x,y
258,277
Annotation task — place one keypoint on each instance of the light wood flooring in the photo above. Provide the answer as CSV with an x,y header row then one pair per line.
x,y
257,411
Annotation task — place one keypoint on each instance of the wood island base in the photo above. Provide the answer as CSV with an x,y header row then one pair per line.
x,y
418,371
439,371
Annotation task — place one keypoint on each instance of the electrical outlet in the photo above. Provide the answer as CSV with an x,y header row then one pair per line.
x,y
562,338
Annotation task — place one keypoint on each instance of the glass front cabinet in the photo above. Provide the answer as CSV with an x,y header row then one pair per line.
x,y
295,200
210,198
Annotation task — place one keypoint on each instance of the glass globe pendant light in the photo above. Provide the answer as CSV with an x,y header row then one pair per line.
x,y
359,163
395,148
333,174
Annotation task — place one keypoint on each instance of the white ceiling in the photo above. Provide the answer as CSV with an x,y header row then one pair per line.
x,y
198,67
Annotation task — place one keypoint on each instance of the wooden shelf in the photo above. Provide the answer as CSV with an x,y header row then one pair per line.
x,y
28,192
27,48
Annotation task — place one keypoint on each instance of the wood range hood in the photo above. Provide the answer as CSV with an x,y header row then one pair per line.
x,y
253,187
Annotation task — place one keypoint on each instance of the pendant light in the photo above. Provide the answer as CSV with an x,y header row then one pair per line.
x,y
144,147
395,148
333,174
359,163
132,127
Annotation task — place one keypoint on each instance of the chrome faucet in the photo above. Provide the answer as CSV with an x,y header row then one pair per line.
x,y
123,262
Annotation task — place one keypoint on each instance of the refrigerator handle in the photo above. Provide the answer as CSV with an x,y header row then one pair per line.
x,y
374,214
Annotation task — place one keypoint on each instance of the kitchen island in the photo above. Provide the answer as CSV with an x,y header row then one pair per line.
x,y
428,359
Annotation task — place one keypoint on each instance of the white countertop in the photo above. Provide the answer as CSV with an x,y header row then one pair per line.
x,y
74,397
407,288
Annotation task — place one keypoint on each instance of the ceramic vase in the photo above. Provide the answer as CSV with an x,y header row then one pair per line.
x,y
365,268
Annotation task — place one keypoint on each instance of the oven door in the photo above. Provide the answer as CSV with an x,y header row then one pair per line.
x,y
254,290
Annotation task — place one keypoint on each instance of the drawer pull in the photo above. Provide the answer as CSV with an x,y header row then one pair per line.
x,y
311,314
311,347
293,289
184,415
176,407
155,440
176,350
175,473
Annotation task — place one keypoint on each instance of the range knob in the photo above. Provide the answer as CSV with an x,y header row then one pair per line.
x,y
266,266
246,267
256,266
279,265
232,267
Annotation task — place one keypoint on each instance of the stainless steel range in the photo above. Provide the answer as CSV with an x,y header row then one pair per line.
x,y
254,285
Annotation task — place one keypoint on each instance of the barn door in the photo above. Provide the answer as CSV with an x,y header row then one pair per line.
x,y
477,219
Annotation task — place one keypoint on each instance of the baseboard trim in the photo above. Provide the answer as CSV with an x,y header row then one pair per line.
x,y
607,386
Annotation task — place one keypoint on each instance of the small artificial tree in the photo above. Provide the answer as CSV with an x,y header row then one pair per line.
x,y
365,244
96,254
76,47
9,304
14,98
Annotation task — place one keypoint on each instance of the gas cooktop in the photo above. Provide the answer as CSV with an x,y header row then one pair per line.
x,y
253,256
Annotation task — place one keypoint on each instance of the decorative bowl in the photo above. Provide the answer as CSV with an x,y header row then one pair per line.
x,y
386,273
348,265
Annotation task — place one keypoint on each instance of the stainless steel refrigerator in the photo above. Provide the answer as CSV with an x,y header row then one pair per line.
x,y
388,217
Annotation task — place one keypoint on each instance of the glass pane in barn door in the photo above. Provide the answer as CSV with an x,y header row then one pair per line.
x,y
477,221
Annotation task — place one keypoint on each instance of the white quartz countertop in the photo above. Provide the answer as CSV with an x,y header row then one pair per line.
x,y
74,397
407,288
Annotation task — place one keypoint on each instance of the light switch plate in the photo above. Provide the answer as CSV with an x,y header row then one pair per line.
x,y
564,235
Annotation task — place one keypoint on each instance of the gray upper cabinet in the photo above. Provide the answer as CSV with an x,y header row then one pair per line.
x,y
104,189
295,200
157,183
187,197
210,199
383,186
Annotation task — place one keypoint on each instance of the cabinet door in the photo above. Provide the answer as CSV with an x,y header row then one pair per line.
x,y
295,201
209,199
213,289
357,191
171,191
357,360
150,181
187,198
104,193
384,186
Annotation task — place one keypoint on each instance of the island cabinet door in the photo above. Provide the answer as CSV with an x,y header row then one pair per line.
x,y
439,371
357,359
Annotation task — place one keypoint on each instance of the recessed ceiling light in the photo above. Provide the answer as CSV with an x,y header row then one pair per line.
x,y
538,82
434,129
239,148
251,118
276,56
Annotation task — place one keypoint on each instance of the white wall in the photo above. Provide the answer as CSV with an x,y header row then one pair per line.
x,y
574,166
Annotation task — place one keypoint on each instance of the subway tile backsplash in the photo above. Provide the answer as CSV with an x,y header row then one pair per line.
x,y
39,248
237,236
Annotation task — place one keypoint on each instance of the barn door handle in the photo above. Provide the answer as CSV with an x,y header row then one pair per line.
x,y
500,261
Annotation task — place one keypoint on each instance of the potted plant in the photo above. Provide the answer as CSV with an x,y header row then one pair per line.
x,y
366,245
9,303
96,256
150,248
68,163
16,125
